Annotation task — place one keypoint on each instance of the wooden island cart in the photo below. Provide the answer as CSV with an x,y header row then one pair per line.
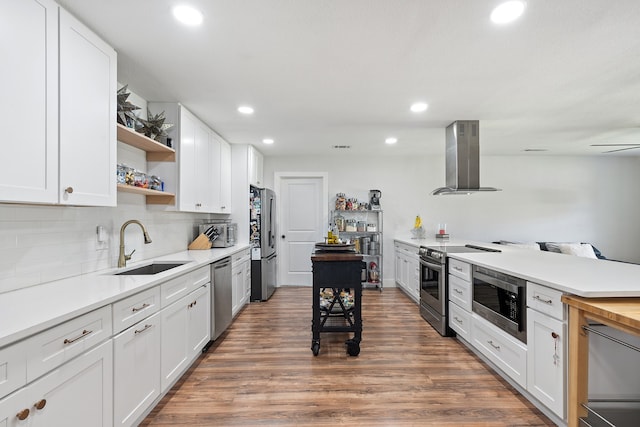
x,y
337,276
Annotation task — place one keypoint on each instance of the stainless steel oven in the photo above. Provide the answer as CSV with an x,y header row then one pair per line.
x,y
501,299
433,293
434,283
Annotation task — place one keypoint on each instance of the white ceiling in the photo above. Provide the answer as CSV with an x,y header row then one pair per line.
x,y
344,72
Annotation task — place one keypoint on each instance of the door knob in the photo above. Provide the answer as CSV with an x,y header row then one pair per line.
x,y
283,236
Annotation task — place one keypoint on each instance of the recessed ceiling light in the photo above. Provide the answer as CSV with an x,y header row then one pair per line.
x,y
507,12
419,107
268,141
187,15
391,140
245,109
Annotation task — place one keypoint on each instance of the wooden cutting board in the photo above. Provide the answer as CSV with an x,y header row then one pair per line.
x,y
200,242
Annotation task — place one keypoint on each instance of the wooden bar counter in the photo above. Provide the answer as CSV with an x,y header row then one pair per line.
x,y
618,313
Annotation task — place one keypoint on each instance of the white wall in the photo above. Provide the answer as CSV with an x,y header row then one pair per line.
x,y
544,198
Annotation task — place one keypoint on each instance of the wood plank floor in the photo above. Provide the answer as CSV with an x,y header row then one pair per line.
x,y
261,372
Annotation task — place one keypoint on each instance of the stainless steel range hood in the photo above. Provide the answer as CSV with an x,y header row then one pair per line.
x,y
462,159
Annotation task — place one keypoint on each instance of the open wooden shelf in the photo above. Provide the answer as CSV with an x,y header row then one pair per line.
x,y
156,152
154,197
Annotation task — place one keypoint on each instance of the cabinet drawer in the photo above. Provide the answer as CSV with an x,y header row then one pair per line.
x,y
131,310
546,300
460,269
241,256
460,321
49,349
174,289
507,353
407,250
13,368
460,292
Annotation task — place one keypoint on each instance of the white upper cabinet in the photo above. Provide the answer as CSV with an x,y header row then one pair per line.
x,y
256,162
223,174
199,177
87,116
29,110
60,125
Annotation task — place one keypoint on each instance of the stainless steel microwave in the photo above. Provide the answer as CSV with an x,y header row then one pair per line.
x,y
221,235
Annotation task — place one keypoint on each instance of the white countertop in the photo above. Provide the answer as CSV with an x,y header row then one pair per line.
x,y
30,310
591,278
586,277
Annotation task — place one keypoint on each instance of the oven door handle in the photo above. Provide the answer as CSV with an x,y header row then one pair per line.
x,y
432,266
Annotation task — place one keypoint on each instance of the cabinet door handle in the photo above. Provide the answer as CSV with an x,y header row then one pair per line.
x,y
40,404
457,268
490,342
22,415
139,331
192,304
68,190
458,290
457,319
82,335
135,309
546,301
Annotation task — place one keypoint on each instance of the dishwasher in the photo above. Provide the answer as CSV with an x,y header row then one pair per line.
x,y
221,297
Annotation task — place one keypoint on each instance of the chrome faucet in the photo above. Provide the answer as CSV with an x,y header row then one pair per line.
x,y
122,258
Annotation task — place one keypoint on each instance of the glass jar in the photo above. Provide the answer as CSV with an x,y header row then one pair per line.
x,y
349,204
156,183
341,202
340,222
121,174
351,225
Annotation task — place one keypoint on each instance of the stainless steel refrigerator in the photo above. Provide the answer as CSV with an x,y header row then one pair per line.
x,y
262,236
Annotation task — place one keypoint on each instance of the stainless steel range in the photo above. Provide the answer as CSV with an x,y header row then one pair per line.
x,y
434,283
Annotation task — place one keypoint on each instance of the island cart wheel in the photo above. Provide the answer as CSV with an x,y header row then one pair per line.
x,y
353,347
315,347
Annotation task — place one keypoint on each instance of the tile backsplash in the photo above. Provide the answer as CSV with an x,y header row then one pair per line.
x,y
40,244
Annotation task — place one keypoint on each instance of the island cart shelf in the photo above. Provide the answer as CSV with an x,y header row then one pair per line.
x,y
333,274
622,314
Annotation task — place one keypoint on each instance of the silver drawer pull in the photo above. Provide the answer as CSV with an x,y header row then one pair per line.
x,y
457,268
458,290
139,331
546,301
457,320
84,334
497,347
135,309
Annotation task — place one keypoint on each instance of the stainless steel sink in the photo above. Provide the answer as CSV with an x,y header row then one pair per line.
x,y
154,268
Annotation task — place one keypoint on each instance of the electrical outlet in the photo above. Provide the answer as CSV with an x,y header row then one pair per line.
x,y
102,238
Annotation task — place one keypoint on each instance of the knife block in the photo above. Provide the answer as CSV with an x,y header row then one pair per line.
x,y
200,242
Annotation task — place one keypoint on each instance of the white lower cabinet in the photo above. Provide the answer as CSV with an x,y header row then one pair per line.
x,y
547,341
506,352
185,331
240,280
546,366
136,370
408,269
76,394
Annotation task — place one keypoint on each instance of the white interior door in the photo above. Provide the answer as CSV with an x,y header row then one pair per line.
x,y
303,220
